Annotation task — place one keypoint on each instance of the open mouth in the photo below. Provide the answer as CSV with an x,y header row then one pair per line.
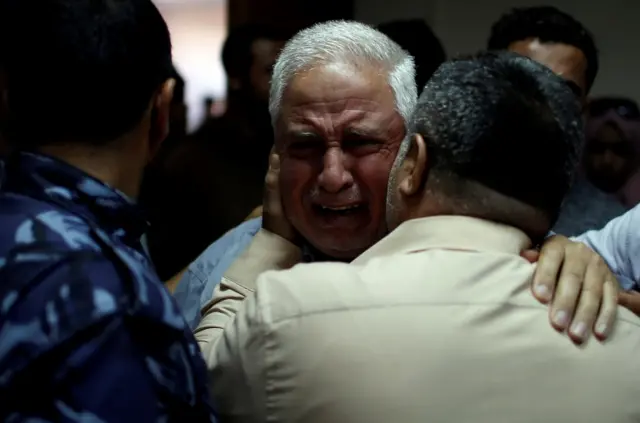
x,y
347,210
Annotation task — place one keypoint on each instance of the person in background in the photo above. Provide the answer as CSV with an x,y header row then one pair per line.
x,y
334,179
612,154
418,39
560,42
611,157
215,178
553,38
88,332
445,296
613,136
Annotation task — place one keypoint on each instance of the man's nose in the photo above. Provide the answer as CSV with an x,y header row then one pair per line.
x,y
335,176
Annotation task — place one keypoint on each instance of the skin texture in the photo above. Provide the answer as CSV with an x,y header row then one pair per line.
x,y
567,61
337,136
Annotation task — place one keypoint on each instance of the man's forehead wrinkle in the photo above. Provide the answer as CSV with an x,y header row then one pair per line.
x,y
319,104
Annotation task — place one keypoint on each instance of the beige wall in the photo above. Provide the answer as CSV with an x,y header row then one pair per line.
x,y
198,30
463,26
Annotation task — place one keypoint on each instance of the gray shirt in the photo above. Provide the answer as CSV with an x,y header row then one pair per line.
x,y
586,208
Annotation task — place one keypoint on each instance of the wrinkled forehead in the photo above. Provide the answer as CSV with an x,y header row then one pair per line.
x,y
338,89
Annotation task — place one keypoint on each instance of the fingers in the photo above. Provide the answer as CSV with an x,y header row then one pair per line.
x,y
577,259
273,216
608,309
271,202
589,298
550,262
271,179
630,300
531,256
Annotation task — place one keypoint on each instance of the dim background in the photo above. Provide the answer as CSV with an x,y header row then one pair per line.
x,y
199,28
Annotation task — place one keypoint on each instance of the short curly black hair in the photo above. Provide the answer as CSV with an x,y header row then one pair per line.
x,y
549,25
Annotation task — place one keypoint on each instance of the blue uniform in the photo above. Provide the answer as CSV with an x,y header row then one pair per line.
x,y
87,331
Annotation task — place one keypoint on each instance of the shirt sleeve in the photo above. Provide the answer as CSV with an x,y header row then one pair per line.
x,y
619,245
195,289
237,371
68,352
267,251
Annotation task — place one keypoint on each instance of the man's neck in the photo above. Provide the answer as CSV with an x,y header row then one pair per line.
x,y
476,200
106,164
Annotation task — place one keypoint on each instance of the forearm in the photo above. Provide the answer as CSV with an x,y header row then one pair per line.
x,y
266,252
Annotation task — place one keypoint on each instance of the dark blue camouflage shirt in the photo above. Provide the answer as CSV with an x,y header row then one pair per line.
x,y
87,331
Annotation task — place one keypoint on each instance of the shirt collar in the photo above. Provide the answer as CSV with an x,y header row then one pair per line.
x,y
449,233
51,180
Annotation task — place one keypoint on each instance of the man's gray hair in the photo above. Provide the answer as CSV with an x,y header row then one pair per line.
x,y
345,42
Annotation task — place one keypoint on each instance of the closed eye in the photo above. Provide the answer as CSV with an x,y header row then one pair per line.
x,y
306,144
360,143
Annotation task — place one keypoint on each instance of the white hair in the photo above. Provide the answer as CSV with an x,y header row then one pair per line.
x,y
350,43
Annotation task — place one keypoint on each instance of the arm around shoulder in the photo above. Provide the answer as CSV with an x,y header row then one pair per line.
x,y
267,251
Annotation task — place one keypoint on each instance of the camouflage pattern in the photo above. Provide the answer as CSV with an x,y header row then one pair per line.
x,y
87,331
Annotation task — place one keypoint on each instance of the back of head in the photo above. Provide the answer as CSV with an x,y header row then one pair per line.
x,y
345,43
417,38
82,71
504,124
549,25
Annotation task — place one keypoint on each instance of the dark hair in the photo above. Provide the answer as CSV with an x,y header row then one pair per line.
x,y
506,122
237,53
82,70
549,25
417,38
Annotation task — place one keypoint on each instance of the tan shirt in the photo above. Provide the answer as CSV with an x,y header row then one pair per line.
x,y
436,323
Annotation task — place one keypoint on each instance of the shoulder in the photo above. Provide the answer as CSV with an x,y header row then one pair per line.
x,y
49,296
32,225
196,286
226,248
308,289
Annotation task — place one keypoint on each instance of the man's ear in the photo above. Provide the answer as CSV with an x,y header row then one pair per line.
x,y
161,115
415,165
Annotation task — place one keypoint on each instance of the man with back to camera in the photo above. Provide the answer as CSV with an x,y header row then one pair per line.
x,y
87,331
435,321
337,134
